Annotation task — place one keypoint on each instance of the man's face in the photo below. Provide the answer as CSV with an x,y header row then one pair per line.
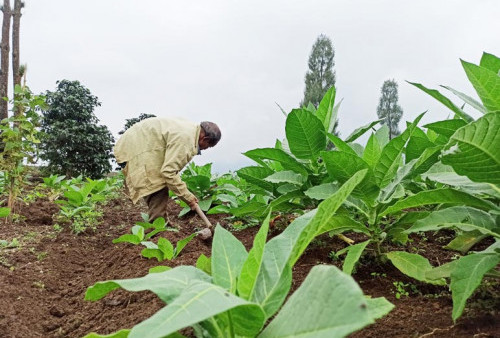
x,y
205,143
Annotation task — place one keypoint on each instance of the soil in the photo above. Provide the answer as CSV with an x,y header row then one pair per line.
x,y
44,279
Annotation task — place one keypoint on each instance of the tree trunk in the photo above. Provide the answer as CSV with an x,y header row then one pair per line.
x,y
4,63
16,22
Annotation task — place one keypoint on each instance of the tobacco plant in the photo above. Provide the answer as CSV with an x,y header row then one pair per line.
x,y
468,204
79,207
471,162
217,194
246,289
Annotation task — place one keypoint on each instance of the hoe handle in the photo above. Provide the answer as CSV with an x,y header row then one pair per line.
x,y
203,217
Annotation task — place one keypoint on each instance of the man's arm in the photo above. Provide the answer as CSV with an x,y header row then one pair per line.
x,y
177,155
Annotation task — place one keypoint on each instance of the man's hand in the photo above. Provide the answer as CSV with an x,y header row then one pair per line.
x,y
193,203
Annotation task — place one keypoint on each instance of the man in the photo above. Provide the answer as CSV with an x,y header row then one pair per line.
x,y
155,151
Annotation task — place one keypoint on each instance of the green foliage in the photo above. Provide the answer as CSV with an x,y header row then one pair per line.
x,y
79,207
73,143
320,76
139,233
19,140
165,249
478,141
388,108
246,289
130,122
4,212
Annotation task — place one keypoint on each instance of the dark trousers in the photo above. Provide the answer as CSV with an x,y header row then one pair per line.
x,y
157,204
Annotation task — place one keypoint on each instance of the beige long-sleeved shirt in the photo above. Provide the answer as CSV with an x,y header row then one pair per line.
x,y
156,149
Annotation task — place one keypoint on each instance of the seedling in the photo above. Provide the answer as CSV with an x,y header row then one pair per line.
x,y
164,249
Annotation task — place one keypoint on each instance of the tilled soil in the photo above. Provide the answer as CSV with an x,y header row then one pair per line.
x,y
44,279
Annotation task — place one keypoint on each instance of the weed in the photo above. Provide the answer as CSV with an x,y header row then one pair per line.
x,y
39,284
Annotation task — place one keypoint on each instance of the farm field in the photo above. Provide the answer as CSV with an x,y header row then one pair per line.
x,y
207,194
45,278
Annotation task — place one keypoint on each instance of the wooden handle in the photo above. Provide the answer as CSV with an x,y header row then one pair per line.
x,y
203,217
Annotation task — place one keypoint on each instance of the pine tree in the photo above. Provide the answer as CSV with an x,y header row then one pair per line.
x,y
388,108
320,77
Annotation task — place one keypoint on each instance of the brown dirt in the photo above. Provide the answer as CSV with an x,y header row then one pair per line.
x,y
43,281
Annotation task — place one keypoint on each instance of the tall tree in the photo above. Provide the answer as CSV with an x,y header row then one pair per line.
x,y
320,77
16,24
73,143
388,108
4,63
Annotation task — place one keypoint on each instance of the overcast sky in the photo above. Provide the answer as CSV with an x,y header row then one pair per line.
x,y
230,61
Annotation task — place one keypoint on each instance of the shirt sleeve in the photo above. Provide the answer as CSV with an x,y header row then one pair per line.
x,y
177,155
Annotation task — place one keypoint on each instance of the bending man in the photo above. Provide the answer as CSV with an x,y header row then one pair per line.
x,y
155,151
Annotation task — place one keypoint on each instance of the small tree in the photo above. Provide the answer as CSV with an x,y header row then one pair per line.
x,y
320,77
388,108
130,122
72,141
19,134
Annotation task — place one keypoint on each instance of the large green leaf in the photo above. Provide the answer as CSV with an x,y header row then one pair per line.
x,y
341,166
473,150
486,83
198,302
340,145
167,285
413,265
360,131
305,134
341,223
417,144
354,253
446,175
325,108
446,127
280,253
465,241
389,160
252,207
372,152
274,278
252,265
228,256
322,191
256,175
461,217
442,271
491,62
335,307
427,159
382,135
438,196
287,161
286,176
467,276
444,100
325,212
469,100
402,173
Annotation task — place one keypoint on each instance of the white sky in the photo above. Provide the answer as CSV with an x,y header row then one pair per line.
x,y
230,61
